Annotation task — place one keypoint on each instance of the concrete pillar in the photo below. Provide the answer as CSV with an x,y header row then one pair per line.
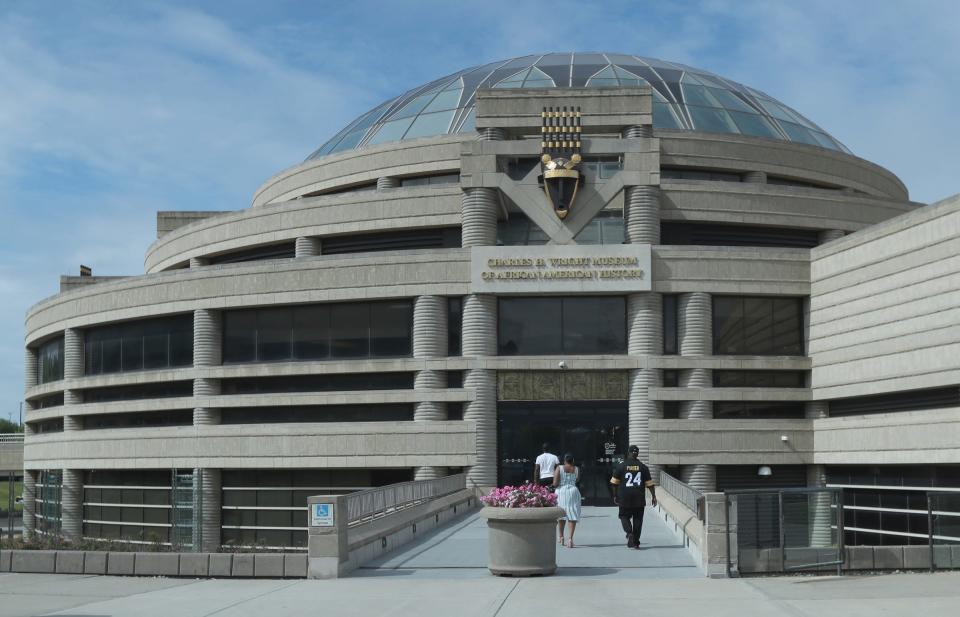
x,y
71,505
821,513
492,134
72,369
482,411
755,177
199,262
207,342
386,182
701,477
831,234
306,247
695,333
210,509
644,338
479,217
637,131
480,340
642,214
31,367
429,342
29,503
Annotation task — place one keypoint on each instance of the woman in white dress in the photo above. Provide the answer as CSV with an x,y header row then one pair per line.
x,y
565,480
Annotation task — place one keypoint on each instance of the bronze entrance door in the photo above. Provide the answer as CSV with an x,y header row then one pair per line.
x,y
594,432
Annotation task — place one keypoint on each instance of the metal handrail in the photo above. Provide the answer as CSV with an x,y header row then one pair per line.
x,y
682,492
373,503
11,437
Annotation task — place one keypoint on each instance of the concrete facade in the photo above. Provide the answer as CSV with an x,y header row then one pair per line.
x,y
886,291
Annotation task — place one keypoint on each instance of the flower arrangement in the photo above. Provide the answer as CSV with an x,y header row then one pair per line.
x,y
526,496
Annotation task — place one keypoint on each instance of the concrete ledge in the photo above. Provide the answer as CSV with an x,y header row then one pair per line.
x,y
43,562
221,565
268,565
70,562
5,561
120,564
95,562
295,565
156,564
242,565
194,564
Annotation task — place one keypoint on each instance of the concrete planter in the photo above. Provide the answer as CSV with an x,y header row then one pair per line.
x,y
522,541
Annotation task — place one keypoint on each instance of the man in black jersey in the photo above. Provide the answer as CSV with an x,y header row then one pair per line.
x,y
630,480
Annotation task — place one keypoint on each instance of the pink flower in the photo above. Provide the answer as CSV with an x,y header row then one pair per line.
x,y
526,496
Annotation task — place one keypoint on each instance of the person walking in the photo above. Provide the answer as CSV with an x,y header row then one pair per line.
x,y
565,480
630,480
544,467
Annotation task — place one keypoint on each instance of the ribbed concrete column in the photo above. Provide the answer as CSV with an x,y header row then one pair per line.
x,y
821,514
695,327
641,410
492,134
387,182
637,131
755,177
479,325
31,367
430,341
701,477
199,262
29,503
483,413
831,234
210,510
71,505
306,247
645,324
696,379
72,423
207,341
72,353
642,214
478,211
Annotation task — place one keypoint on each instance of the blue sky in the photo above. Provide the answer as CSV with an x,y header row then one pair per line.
x,y
110,110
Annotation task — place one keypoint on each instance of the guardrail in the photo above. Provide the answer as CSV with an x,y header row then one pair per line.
x,y
684,493
11,438
374,503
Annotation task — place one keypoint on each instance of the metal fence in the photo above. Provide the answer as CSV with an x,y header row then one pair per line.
x,y
373,503
684,493
943,527
783,530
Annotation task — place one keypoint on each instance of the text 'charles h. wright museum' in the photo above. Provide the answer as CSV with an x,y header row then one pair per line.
x,y
587,249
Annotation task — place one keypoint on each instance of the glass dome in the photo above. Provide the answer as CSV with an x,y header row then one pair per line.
x,y
683,98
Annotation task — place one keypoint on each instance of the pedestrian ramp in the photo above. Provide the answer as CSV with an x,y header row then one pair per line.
x,y
459,550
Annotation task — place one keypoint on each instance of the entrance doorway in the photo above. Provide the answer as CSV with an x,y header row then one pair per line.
x,y
595,433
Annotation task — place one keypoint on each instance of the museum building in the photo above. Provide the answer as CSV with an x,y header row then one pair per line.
x,y
585,249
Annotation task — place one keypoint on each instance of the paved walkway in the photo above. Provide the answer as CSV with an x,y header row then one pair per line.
x,y
460,550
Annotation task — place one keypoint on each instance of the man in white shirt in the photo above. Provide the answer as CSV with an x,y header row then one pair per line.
x,y
544,467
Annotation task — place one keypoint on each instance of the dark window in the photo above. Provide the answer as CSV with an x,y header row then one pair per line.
x,y
911,400
763,326
737,410
326,413
434,180
713,234
51,400
359,188
680,173
781,181
605,228
54,425
318,332
454,411
318,383
433,238
147,419
50,361
282,250
671,345
519,230
454,326
759,379
137,345
169,389
543,326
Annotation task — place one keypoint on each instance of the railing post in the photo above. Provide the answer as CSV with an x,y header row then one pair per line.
x,y
930,529
328,548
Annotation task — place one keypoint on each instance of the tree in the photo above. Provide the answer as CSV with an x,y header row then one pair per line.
x,y
6,426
